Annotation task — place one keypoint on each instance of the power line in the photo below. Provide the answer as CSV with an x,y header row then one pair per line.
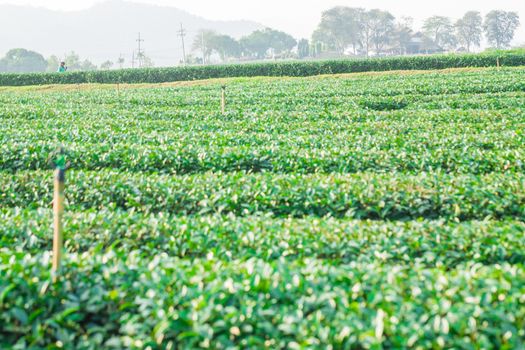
x,y
182,34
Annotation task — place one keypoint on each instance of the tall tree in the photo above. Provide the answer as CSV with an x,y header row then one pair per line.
x,y
324,41
106,65
260,42
380,27
340,28
441,30
225,46
52,63
120,62
403,35
256,44
147,62
74,63
210,42
23,61
469,29
281,42
203,43
303,48
500,27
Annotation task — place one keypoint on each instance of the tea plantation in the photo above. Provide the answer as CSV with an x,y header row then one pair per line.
x,y
362,211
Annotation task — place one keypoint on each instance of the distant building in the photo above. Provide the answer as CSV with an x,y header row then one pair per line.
x,y
421,44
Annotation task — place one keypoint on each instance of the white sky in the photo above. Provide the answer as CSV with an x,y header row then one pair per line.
x,y
300,17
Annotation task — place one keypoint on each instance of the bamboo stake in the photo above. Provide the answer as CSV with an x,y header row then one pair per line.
x,y
223,99
497,62
58,212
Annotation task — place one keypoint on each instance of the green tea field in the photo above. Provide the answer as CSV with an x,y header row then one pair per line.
x,y
353,211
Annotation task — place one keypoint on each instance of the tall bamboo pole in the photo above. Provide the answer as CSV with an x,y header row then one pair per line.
x,y
58,212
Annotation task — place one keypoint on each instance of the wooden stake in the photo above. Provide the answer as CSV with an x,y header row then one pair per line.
x,y
223,100
58,212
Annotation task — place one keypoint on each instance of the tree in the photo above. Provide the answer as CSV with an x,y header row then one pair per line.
x,y
52,64
106,65
281,42
324,41
256,44
303,48
74,63
225,46
87,65
210,42
340,28
441,31
403,34
500,27
469,29
23,61
260,42
190,59
120,62
146,61
379,27
203,43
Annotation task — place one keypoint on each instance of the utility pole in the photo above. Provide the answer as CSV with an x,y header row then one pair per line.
x,y
140,54
182,34
133,60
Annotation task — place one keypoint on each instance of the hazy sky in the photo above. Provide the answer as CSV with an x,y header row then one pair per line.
x,y
299,17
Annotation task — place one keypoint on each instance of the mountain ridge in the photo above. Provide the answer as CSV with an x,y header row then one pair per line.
x,y
109,29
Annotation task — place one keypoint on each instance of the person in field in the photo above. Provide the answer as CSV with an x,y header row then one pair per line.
x,y
62,67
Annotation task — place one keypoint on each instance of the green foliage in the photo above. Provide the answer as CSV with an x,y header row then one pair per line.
x,y
340,28
370,211
22,61
393,198
260,42
250,137
294,69
303,48
378,29
469,30
125,300
106,65
211,42
441,30
500,27
75,63
228,237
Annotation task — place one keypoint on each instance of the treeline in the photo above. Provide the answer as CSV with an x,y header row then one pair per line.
x,y
27,61
280,68
357,31
345,31
260,44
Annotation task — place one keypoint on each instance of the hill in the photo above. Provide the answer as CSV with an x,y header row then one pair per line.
x,y
108,30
